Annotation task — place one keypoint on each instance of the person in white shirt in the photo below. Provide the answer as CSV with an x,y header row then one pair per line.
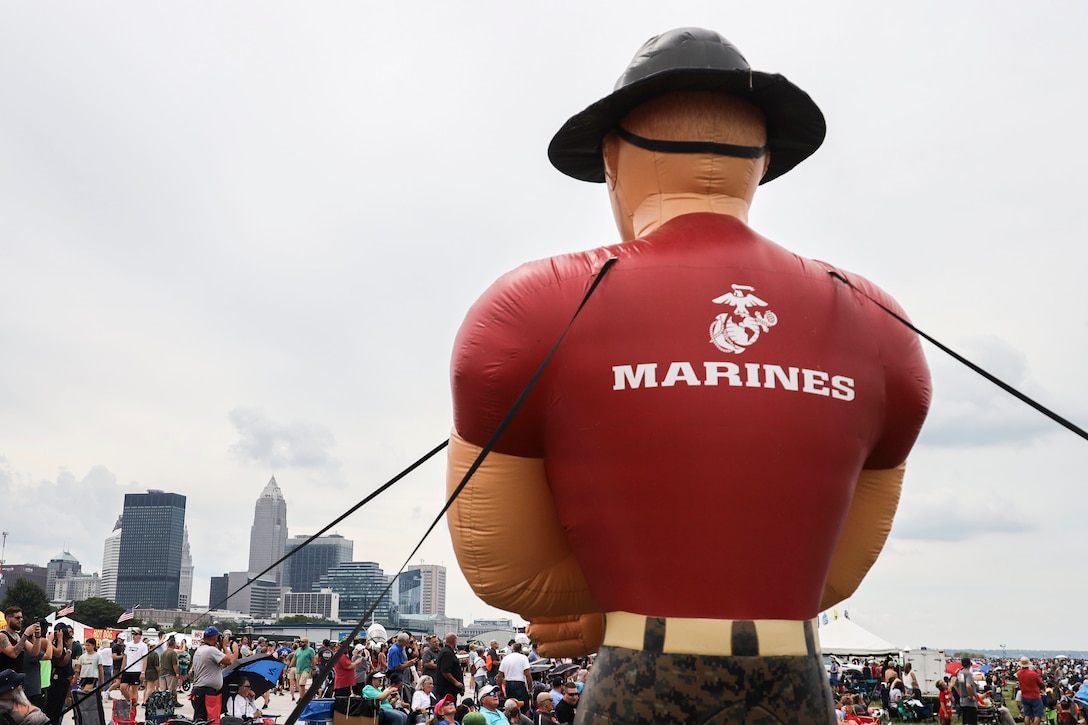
x,y
516,675
132,668
243,704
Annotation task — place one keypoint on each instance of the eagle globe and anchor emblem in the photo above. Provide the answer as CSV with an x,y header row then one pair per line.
x,y
735,331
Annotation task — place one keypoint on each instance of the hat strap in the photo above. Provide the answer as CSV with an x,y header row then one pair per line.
x,y
691,147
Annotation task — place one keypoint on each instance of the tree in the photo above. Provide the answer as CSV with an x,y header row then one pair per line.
x,y
303,619
98,612
29,595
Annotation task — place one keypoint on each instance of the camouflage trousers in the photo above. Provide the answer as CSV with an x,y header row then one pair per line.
x,y
637,687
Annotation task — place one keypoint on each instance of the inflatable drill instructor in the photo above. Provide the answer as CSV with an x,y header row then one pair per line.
x,y
715,452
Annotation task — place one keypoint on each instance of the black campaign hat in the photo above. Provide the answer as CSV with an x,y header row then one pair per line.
x,y
692,59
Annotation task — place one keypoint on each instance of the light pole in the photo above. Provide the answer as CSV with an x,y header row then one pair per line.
x,y
3,550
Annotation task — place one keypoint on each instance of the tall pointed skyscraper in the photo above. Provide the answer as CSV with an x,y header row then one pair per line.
x,y
268,535
185,585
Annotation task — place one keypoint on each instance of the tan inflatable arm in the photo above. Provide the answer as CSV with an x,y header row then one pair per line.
x,y
573,636
863,535
512,564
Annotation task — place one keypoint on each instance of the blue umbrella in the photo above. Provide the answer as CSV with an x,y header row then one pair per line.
x,y
263,672
1081,698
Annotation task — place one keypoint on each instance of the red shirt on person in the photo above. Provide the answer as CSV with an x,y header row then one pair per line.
x,y
1031,684
344,673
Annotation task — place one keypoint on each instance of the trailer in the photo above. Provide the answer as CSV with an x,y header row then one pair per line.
x,y
929,666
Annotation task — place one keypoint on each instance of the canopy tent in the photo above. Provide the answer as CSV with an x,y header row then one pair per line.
x,y
844,638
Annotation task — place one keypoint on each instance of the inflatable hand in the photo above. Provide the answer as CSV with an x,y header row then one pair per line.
x,y
571,636
541,578
868,522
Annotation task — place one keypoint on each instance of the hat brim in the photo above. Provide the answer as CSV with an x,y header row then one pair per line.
x,y
795,125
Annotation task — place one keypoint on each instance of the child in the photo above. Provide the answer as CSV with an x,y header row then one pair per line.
x,y
90,667
944,696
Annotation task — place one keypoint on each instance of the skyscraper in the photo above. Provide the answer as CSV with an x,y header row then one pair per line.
x,y
149,561
359,584
111,550
305,568
268,535
61,566
422,590
185,586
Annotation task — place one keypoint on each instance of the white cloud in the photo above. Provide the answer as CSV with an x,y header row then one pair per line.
x,y
273,445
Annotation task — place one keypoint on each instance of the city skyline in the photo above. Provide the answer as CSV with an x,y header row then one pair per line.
x,y
425,584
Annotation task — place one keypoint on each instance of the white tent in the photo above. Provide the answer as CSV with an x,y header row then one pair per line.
x,y
844,638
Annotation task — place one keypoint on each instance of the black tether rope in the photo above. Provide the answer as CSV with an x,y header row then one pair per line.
x,y
992,378
346,644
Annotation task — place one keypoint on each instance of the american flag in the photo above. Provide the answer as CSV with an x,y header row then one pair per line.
x,y
129,614
66,610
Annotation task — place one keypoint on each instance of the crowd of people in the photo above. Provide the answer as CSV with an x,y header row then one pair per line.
x,y
87,665
996,690
435,680
406,680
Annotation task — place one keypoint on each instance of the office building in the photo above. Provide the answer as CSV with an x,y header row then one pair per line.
x,y
149,561
61,566
218,591
422,590
268,535
185,584
360,584
14,572
259,598
436,624
111,550
306,567
324,604
76,587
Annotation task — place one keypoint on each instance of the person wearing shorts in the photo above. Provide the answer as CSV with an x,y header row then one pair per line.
x,y
1031,693
134,661
304,663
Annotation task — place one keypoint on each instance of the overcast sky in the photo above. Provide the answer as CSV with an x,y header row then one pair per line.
x,y
238,239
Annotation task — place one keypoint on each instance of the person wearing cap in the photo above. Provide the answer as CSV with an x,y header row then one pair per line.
x,y
304,664
445,710
1031,693
211,657
701,343
62,676
428,656
134,659
385,693
511,710
14,703
489,705
361,659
